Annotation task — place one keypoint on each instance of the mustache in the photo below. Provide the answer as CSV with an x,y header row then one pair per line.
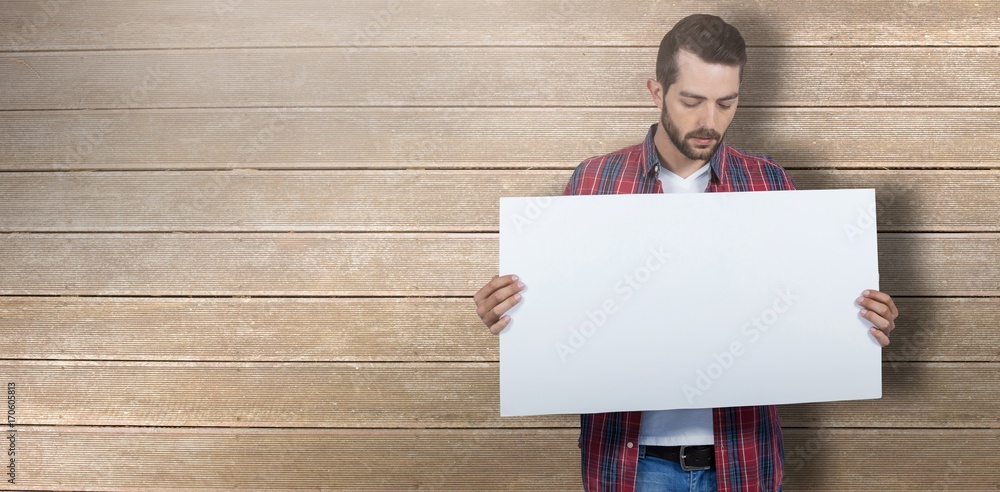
x,y
704,133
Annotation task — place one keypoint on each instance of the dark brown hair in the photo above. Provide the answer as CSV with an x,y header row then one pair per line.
x,y
706,36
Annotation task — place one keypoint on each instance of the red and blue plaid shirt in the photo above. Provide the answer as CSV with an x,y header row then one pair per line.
x,y
748,442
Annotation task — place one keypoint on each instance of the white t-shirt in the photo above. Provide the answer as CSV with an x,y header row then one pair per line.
x,y
687,427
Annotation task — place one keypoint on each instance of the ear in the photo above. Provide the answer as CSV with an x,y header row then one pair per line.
x,y
656,91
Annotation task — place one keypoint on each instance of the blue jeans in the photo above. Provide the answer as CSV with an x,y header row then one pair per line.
x,y
659,475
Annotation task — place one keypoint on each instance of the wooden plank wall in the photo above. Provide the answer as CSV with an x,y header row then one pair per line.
x,y
239,238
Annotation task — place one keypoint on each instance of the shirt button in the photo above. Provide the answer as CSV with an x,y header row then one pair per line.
x,y
629,445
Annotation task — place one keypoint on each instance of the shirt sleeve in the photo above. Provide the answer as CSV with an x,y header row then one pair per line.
x,y
572,187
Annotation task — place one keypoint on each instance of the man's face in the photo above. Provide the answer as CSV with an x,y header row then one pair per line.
x,y
697,109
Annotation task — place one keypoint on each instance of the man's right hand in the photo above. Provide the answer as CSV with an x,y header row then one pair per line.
x,y
495,299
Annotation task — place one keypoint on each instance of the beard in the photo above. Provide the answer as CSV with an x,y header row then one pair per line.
x,y
683,143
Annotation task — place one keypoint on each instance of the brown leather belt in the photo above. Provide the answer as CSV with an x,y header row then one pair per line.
x,y
691,458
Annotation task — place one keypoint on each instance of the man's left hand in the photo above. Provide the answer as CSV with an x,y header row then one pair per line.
x,y
878,308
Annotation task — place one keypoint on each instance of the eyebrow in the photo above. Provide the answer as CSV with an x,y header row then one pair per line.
x,y
696,96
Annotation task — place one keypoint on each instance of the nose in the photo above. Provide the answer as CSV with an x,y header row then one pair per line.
x,y
707,116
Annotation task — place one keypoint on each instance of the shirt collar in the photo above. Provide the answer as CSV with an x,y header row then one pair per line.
x,y
653,158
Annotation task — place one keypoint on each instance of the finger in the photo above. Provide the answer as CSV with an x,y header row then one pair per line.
x,y
503,294
882,338
496,283
485,290
498,312
500,325
883,298
486,308
870,304
879,322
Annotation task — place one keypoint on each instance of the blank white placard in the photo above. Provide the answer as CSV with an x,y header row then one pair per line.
x,y
665,301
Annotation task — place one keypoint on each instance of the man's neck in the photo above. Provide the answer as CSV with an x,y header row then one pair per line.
x,y
671,158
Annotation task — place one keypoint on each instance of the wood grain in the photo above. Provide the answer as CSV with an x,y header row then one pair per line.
x,y
838,460
374,329
81,458
128,24
312,185
68,458
578,77
286,264
260,201
246,329
400,264
416,395
475,137
411,201
924,395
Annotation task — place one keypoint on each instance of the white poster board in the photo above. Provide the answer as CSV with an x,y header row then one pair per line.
x,y
666,301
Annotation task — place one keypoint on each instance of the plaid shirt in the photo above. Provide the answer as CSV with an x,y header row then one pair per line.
x,y
748,443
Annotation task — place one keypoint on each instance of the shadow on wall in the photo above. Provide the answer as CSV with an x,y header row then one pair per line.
x,y
764,75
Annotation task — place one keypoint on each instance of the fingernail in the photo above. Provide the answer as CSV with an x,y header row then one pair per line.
x,y
513,277
517,297
867,292
520,285
861,299
872,330
863,311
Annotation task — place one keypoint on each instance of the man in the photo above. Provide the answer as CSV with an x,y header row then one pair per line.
x,y
699,68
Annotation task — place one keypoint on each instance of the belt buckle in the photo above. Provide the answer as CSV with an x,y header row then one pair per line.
x,y
685,467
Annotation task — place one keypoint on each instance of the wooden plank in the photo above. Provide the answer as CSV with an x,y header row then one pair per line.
x,y
370,330
245,329
67,458
924,200
927,395
416,395
261,201
246,264
80,458
875,459
474,137
454,77
410,201
912,264
917,264
351,395
923,335
61,24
